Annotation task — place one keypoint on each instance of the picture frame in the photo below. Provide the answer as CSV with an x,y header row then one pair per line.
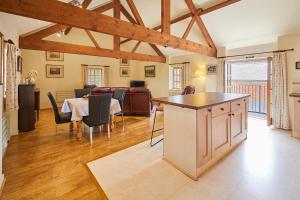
x,y
297,65
211,69
124,62
150,71
124,72
54,71
54,56
19,64
1,57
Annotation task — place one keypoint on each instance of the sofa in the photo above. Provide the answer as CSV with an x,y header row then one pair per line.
x,y
137,100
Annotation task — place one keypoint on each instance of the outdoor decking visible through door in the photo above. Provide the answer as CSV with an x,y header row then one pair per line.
x,y
250,77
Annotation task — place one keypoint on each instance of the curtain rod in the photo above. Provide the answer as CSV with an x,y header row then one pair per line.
x,y
251,54
9,41
179,63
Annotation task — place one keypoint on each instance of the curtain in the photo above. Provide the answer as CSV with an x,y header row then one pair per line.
x,y
221,75
11,78
185,73
279,94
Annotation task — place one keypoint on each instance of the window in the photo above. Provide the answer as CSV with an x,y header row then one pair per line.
x,y
95,75
176,77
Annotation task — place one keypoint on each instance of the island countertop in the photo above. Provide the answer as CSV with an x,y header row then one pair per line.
x,y
200,100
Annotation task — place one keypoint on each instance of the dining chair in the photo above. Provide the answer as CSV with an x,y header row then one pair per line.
x,y
99,112
82,92
188,90
120,96
60,118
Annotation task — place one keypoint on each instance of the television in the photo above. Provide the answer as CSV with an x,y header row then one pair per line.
x,y
137,83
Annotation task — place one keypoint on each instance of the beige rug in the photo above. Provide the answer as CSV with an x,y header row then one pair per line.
x,y
261,168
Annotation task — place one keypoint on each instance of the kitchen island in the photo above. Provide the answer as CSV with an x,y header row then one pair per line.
x,y
200,129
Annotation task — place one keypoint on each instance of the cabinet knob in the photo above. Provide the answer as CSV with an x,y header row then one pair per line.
x,y
238,104
229,114
298,101
232,114
209,110
222,109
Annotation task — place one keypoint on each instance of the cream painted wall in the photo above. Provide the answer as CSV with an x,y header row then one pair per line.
x,y
72,72
199,62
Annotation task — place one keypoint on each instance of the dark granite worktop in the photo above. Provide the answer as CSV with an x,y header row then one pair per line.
x,y
200,100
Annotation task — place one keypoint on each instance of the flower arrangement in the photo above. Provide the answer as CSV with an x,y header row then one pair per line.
x,y
30,77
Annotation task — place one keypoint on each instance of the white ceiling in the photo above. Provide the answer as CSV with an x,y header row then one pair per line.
x,y
249,22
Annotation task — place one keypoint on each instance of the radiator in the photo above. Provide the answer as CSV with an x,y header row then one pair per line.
x,y
62,95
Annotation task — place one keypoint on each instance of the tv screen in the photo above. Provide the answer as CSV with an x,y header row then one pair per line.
x,y
137,83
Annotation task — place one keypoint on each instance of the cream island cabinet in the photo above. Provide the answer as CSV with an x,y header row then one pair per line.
x,y
200,129
296,114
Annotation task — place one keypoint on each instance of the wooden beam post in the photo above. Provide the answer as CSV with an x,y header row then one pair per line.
x,y
165,16
117,15
62,13
44,45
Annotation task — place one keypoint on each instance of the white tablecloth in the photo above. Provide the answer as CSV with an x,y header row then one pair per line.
x,y
80,107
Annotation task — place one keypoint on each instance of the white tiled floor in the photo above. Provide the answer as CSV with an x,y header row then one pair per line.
x,y
266,166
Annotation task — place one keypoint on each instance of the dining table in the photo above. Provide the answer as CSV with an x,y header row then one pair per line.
x,y
79,107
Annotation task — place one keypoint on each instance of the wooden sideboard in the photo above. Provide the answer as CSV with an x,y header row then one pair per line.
x,y
202,128
296,114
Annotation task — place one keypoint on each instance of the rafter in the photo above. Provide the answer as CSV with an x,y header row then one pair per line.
x,y
165,16
189,27
97,22
92,39
200,23
117,15
136,46
200,12
104,7
140,22
43,45
84,5
127,15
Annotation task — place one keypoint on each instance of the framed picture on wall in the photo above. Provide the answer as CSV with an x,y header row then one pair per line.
x,y
1,57
297,65
211,70
54,71
124,62
124,71
150,71
19,64
54,56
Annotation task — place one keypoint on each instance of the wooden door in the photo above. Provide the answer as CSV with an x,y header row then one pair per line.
x,y
238,132
203,136
220,134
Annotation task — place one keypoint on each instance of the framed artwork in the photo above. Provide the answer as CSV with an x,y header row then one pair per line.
x,y
19,64
124,62
124,71
54,56
1,57
211,70
297,65
150,71
54,71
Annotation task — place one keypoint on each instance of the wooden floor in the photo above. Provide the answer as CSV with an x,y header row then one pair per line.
x,y
42,165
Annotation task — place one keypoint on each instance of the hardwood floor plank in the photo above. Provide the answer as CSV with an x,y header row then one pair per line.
x,y
43,165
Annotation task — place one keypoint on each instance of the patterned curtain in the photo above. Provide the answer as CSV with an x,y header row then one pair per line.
x,y
11,78
221,75
279,94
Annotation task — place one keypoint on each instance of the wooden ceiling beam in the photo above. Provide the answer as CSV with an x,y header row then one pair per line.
x,y
62,13
44,45
84,5
189,27
200,23
165,16
139,20
93,39
200,12
136,46
127,15
117,15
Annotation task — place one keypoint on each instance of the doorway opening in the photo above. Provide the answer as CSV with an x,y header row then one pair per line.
x,y
251,77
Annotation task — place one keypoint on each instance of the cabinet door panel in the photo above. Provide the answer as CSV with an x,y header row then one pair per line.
x,y
220,134
203,136
238,132
296,118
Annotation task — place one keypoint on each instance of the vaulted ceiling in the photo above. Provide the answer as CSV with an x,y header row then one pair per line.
x,y
248,22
